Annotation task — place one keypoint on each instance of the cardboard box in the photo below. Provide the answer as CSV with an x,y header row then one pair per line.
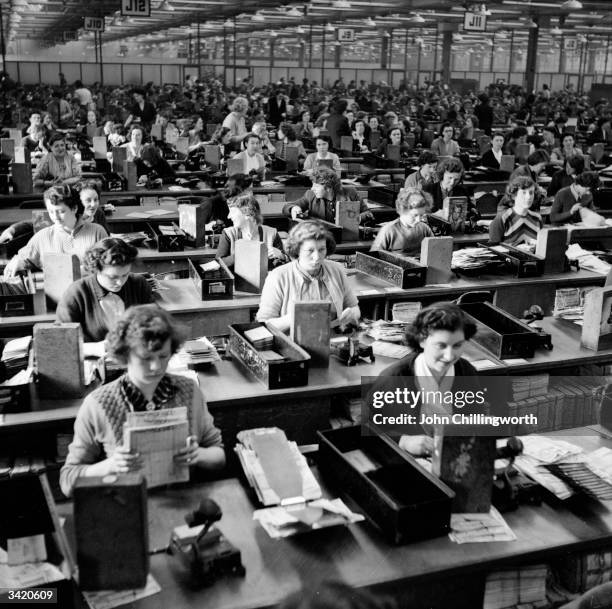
x,y
405,501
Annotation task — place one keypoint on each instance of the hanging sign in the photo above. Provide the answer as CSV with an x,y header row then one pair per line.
x,y
474,22
136,8
93,24
346,34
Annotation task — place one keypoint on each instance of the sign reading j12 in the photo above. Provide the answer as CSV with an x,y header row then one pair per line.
x,y
136,8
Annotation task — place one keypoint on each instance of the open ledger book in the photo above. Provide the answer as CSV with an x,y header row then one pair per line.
x,y
158,435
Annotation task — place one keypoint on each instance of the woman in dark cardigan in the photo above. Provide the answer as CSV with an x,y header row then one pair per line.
x,y
438,337
98,300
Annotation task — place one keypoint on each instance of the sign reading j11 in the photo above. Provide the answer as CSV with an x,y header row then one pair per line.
x,y
475,22
136,8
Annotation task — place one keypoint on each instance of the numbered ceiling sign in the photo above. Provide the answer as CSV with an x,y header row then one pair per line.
x,y
474,22
93,24
346,34
136,8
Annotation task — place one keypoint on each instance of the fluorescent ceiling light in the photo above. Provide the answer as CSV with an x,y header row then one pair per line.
x,y
571,5
341,4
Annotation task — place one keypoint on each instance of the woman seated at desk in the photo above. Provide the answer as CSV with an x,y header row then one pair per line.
x,y
98,300
153,165
308,277
572,168
89,194
320,201
438,337
322,154
253,160
360,141
34,141
144,339
266,146
492,157
445,145
395,137
518,224
571,199
405,234
58,166
426,174
535,165
566,151
134,146
304,129
67,235
288,139
449,173
245,214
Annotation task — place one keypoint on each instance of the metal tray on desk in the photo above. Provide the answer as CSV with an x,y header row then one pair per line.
x,y
503,334
522,264
401,271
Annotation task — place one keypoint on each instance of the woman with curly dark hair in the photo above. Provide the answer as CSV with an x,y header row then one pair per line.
x,y
143,339
98,300
438,336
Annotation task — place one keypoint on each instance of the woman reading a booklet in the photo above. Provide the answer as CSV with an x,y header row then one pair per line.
x,y
144,339
309,276
98,300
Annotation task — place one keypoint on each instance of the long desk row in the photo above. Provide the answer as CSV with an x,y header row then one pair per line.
x,y
433,574
239,401
211,317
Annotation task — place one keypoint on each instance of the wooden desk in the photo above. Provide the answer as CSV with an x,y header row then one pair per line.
x,y
433,574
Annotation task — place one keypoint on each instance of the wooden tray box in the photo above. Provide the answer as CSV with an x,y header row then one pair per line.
x,y
405,501
401,271
212,285
168,243
502,334
19,304
292,372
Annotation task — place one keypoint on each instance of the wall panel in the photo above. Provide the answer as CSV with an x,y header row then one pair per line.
x,y
150,74
70,69
171,74
91,73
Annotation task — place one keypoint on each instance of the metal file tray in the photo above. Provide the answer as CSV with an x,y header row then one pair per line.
x,y
522,264
212,285
291,372
503,334
401,271
19,304
403,499
168,243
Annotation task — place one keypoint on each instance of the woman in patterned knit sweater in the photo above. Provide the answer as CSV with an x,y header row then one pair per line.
x,y
517,225
144,339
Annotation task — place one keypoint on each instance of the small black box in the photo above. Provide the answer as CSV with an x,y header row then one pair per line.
x,y
212,285
19,304
404,500
400,271
168,243
110,518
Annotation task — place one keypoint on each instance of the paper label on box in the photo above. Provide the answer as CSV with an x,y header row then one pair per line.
x,y
22,550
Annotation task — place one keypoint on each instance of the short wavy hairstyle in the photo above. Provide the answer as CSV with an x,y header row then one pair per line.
x,y
538,156
240,104
328,177
248,205
109,252
145,326
410,198
519,183
62,193
588,179
450,165
289,131
309,229
439,316
88,184
427,157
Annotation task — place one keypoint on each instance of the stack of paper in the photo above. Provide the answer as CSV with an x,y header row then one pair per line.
x,y
587,260
198,351
524,387
256,476
390,331
15,354
511,588
281,522
170,229
406,312
471,528
260,337
134,237
386,349
472,258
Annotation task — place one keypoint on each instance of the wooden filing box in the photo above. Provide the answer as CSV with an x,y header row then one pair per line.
x,y
19,304
400,271
212,285
168,243
502,334
292,372
522,264
404,500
